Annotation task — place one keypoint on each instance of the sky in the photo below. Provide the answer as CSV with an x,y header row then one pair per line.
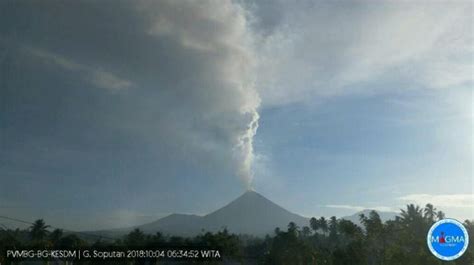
x,y
116,113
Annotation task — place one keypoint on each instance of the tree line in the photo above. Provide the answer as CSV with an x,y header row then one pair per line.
x,y
332,241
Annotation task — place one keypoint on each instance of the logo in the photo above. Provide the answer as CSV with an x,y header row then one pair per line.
x,y
447,239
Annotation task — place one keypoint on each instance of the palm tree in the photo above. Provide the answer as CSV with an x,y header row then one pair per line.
x,y
440,215
430,212
323,224
38,230
373,224
349,229
292,229
374,237
333,228
277,230
306,231
412,213
313,222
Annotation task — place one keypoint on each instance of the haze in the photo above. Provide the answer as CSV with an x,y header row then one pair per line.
x,y
117,113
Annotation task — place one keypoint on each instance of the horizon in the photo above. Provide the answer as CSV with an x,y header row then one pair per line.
x,y
10,224
148,108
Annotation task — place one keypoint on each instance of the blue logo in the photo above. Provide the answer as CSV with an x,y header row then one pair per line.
x,y
448,239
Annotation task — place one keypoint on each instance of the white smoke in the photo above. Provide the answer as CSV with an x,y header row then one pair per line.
x,y
245,150
215,34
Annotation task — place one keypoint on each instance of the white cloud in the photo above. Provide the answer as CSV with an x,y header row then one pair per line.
x,y
441,200
97,77
334,49
55,59
359,208
107,80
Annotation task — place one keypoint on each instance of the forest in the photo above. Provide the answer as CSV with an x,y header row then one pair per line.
x,y
332,241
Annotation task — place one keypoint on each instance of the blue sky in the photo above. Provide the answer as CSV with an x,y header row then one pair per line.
x,y
118,114
361,149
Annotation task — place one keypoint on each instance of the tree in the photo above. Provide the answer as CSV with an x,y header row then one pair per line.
x,y
411,235
292,229
468,257
135,238
323,224
374,237
345,244
373,224
288,248
228,243
277,230
349,230
313,222
411,214
38,230
306,232
430,213
330,242
320,224
440,215
55,236
332,227
71,241
156,240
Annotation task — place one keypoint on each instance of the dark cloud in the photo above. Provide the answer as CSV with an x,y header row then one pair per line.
x,y
106,97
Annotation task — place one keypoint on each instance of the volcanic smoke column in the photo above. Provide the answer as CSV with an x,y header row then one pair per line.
x,y
246,150
209,67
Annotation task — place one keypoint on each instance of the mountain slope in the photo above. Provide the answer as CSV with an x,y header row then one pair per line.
x,y
384,216
186,224
250,214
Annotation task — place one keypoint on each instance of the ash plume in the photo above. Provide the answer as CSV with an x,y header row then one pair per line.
x,y
160,92
222,84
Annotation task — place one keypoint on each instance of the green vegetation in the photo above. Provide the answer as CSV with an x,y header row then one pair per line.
x,y
324,241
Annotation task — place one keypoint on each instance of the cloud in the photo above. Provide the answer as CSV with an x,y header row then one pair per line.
x,y
199,72
56,59
441,200
97,77
107,80
222,39
193,106
359,208
317,49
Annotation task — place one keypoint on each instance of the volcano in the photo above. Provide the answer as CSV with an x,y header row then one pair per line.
x,y
250,214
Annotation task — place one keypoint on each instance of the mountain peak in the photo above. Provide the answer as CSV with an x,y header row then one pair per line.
x,y
252,197
250,192
251,213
